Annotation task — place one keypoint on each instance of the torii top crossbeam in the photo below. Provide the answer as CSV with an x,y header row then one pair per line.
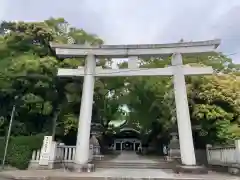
x,y
122,51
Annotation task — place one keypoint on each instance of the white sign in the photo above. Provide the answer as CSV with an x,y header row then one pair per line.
x,y
46,150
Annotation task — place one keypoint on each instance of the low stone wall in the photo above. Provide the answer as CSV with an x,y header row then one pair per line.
x,y
224,158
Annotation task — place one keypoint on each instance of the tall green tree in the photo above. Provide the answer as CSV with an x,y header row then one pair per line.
x,y
28,72
151,99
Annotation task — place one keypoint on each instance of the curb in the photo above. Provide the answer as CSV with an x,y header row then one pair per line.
x,y
10,177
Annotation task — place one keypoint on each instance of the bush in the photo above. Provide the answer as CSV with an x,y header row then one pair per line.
x,y
20,150
2,146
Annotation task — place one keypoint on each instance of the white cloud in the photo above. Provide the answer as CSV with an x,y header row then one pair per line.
x,y
141,21
3,7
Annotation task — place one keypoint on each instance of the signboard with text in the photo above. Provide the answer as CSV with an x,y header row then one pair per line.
x,y
45,151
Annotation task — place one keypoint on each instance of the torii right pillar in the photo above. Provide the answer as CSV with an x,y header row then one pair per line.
x,y
183,119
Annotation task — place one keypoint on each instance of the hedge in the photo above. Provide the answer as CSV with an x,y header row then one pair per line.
x,y
20,150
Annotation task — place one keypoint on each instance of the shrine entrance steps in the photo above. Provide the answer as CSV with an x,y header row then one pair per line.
x,y
129,159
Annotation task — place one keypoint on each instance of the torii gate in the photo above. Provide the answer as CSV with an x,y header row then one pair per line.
x,y
177,70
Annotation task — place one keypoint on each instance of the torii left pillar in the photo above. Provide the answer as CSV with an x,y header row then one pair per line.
x,y
84,124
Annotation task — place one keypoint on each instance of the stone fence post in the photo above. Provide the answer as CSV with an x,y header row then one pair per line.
x,y
207,152
235,168
52,156
237,151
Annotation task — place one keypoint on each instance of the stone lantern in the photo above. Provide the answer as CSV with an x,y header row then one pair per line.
x,y
95,131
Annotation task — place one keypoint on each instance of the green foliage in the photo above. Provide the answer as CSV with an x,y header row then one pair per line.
x,y
2,142
20,150
28,79
215,106
213,100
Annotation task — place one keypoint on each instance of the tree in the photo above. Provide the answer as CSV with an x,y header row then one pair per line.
x,y
28,78
215,106
29,72
146,93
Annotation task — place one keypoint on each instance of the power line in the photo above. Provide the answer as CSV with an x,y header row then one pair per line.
x,y
231,54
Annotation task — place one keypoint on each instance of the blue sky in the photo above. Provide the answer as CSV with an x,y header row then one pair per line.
x,y
140,21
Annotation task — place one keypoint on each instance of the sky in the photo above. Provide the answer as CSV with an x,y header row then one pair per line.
x,y
140,21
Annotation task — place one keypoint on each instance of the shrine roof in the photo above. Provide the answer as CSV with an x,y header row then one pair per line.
x,y
124,129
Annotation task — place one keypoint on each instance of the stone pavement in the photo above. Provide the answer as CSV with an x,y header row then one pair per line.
x,y
103,174
2,178
112,173
129,159
132,157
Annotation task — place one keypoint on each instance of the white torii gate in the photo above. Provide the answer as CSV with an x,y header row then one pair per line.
x,y
177,70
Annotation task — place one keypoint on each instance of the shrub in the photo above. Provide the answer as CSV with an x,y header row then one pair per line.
x,y
20,150
2,146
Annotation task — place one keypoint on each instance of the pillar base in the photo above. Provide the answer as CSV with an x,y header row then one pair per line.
x,y
190,169
83,168
234,169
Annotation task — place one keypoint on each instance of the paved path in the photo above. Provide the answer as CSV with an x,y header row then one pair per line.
x,y
131,157
103,174
111,173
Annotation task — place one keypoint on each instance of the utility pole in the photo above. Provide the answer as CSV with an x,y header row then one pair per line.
x,y
8,136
